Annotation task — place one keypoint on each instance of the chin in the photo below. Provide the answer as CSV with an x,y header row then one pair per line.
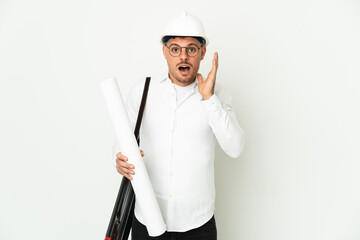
x,y
186,80
183,79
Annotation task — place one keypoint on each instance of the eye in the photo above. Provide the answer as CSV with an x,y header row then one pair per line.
x,y
175,49
191,49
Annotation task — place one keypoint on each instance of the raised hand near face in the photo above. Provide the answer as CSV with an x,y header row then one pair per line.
x,y
206,87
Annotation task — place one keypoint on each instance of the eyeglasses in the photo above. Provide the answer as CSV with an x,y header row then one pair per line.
x,y
175,50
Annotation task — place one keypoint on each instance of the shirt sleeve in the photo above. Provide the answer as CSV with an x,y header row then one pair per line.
x,y
224,124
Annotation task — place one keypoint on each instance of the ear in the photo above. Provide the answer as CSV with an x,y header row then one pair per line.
x,y
164,50
203,51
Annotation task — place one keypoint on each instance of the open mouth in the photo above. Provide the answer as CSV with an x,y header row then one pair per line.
x,y
184,69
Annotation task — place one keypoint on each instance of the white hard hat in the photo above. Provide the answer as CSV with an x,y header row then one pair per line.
x,y
185,25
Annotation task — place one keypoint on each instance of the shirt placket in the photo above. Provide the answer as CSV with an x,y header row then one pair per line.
x,y
171,195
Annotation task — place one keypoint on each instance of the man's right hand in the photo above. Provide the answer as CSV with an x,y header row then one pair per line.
x,y
124,168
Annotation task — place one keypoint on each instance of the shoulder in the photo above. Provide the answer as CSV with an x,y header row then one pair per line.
x,y
139,84
135,93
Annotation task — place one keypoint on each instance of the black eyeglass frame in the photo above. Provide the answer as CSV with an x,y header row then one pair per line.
x,y
186,48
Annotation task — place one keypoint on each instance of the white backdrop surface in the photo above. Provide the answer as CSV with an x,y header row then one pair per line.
x,y
292,67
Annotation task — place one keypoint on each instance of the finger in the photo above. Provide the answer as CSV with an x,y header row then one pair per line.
x,y
128,171
215,63
120,170
121,156
119,161
128,176
123,170
200,78
125,165
216,57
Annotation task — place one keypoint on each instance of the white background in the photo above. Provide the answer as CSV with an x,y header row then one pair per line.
x,y
291,66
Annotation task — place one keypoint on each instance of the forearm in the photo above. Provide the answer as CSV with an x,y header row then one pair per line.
x,y
225,126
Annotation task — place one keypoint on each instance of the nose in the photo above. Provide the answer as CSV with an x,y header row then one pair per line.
x,y
183,55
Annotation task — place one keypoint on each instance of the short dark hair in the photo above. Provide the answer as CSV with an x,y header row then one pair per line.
x,y
167,38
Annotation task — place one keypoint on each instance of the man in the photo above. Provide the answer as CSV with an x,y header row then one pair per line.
x,y
184,115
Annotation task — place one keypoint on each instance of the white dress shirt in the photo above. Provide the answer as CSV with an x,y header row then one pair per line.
x,y
177,135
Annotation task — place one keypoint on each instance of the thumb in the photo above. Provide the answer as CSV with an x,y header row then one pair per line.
x,y
200,78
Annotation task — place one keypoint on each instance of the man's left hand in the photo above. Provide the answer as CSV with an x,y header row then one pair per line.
x,y
206,87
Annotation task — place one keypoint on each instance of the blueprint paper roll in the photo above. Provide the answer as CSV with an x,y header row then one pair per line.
x,y
144,192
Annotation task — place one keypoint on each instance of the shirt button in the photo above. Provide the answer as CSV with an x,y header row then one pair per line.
x,y
171,174
170,196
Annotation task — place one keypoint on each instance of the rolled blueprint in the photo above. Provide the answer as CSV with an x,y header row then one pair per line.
x,y
125,136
